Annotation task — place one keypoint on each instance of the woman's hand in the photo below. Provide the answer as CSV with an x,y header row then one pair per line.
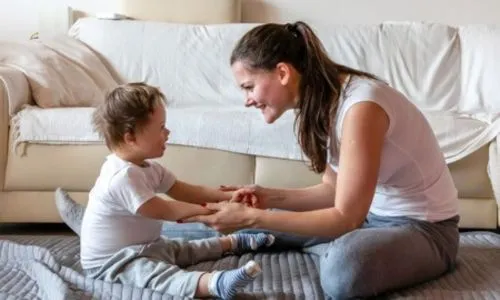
x,y
245,196
227,217
252,195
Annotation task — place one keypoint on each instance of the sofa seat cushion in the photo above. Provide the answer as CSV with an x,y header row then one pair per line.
x,y
75,167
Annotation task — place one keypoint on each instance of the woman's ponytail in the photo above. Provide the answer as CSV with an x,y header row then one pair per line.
x,y
320,89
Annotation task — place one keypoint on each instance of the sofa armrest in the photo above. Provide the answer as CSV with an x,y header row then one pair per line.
x,y
15,90
14,94
4,132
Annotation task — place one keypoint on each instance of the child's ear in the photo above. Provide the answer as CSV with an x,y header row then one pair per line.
x,y
129,138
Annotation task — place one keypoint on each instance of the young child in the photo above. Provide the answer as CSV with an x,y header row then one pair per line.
x,y
121,229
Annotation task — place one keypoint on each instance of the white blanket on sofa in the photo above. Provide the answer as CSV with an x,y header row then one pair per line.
x,y
238,129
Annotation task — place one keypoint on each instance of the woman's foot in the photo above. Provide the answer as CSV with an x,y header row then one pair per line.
x,y
70,211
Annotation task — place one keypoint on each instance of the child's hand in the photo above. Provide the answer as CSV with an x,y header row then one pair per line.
x,y
205,211
200,210
246,197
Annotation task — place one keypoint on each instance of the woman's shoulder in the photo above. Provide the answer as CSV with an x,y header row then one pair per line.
x,y
364,87
360,89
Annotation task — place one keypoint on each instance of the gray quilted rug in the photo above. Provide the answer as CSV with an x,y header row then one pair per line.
x,y
46,267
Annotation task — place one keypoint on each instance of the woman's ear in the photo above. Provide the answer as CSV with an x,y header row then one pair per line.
x,y
284,72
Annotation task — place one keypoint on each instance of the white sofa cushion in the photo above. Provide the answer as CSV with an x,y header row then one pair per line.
x,y
480,68
191,62
422,60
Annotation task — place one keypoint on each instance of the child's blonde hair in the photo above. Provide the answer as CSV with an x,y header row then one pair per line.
x,y
124,110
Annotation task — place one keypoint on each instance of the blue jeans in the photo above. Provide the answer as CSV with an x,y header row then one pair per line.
x,y
386,254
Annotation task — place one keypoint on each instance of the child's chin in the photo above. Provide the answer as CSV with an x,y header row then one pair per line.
x,y
157,155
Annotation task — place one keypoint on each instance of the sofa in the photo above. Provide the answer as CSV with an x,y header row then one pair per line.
x,y
449,72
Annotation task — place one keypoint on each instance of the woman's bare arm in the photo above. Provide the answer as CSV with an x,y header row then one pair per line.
x,y
364,129
363,134
304,199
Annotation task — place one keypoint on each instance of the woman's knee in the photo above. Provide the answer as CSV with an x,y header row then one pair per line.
x,y
339,272
368,262
347,268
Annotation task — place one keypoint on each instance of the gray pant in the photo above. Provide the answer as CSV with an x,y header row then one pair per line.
x,y
387,253
158,265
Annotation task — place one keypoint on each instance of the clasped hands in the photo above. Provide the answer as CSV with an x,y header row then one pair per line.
x,y
238,213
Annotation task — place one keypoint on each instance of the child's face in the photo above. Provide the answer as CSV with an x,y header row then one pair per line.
x,y
151,139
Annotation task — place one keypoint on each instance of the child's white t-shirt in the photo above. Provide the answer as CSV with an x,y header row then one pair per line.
x,y
111,222
413,180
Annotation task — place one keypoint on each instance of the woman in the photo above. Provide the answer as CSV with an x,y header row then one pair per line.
x,y
387,204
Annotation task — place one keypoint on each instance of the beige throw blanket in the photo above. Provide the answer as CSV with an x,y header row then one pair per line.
x,y
61,71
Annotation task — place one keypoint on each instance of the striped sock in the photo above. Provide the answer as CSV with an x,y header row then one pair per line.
x,y
242,242
225,284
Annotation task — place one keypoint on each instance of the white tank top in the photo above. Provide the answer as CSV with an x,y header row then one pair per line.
x,y
413,180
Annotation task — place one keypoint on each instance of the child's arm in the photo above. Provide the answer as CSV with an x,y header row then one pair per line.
x,y
158,208
197,194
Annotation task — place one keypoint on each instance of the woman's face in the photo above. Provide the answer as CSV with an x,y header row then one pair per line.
x,y
273,92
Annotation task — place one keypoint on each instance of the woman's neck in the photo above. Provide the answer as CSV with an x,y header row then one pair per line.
x,y
344,78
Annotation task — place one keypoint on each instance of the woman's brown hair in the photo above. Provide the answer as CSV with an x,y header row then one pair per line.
x,y
264,46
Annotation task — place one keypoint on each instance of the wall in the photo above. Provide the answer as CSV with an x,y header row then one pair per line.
x,y
372,11
20,18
